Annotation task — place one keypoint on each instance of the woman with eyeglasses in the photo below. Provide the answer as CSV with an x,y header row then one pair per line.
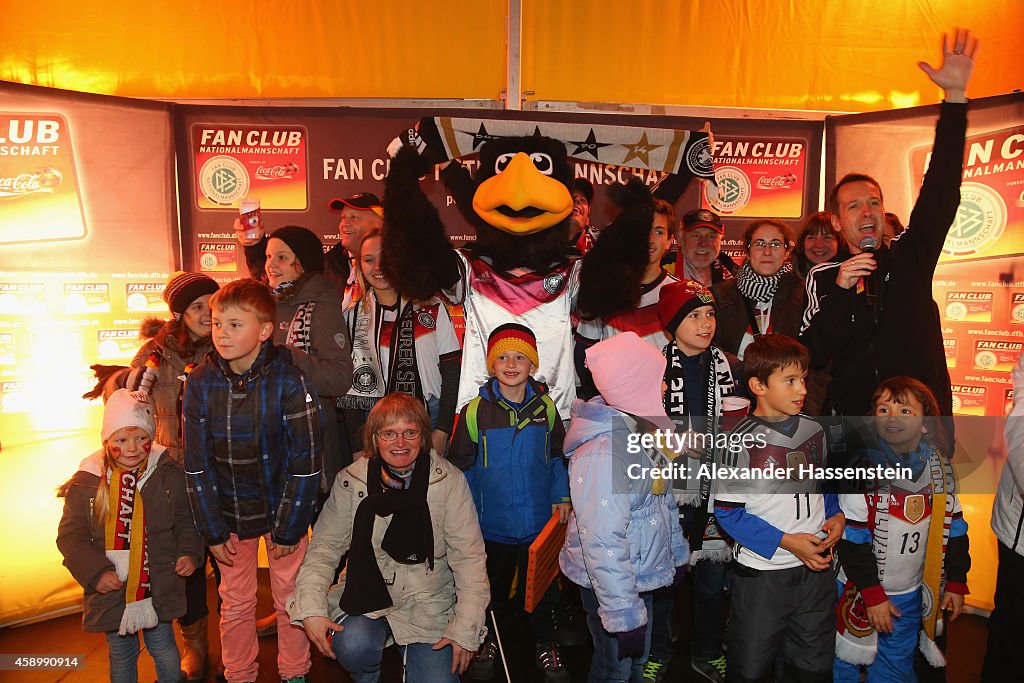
x,y
766,297
819,242
416,571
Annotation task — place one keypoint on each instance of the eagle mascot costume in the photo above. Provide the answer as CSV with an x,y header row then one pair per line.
x,y
520,203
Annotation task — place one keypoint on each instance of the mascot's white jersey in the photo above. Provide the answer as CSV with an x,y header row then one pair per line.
x,y
544,302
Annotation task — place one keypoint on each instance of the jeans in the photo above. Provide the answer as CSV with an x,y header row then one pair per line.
x,y
605,666
661,615
360,648
895,660
433,410
124,654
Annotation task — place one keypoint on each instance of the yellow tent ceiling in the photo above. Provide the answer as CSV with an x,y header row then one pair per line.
x,y
853,55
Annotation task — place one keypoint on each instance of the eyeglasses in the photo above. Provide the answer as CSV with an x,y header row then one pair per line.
x,y
774,245
391,435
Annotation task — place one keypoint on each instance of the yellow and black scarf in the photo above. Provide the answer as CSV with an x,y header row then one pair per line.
x,y
125,545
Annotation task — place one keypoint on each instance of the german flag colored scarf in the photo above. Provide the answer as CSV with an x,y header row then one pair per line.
x,y
125,545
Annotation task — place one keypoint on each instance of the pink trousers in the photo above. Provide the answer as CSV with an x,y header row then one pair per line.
x,y
239,644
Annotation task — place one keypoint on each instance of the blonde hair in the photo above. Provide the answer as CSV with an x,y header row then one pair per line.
x,y
364,286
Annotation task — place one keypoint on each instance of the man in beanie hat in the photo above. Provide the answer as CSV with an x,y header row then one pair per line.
x,y
508,439
624,543
698,377
512,337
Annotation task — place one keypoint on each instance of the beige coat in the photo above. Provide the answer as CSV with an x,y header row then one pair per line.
x,y
448,602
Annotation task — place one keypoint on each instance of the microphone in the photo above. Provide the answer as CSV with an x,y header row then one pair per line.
x,y
868,245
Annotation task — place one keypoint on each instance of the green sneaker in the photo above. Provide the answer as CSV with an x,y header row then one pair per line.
x,y
295,679
711,669
654,670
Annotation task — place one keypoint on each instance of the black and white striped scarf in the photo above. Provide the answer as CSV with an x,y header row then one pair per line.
x,y
758,287
705,537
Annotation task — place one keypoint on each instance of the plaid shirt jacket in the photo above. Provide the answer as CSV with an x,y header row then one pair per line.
x,y
252,446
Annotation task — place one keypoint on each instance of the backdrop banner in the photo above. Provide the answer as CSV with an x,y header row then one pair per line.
x,y
295,160
87,238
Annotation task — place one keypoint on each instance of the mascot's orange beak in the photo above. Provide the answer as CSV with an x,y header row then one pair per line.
x,y
521,200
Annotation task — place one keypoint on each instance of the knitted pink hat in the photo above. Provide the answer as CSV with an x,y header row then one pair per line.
x,y
629,373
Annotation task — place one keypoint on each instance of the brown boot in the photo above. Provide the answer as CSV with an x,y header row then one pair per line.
x,y
197,647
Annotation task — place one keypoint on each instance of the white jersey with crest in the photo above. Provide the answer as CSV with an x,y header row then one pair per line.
x,y
644,319
910,514
789,503
545,303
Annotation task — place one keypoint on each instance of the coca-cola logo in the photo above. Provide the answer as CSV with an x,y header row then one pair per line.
x,y
43,180
775,182
276,172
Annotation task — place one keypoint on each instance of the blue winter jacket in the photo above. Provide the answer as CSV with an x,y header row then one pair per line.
x,y
515,467
623,540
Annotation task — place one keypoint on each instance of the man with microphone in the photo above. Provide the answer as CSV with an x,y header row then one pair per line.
x,y
872,316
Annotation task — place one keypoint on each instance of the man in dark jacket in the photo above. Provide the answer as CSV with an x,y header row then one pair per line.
x,y
873,314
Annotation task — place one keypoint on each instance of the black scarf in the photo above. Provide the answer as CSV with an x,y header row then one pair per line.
x,y
403,373
409,538
718,382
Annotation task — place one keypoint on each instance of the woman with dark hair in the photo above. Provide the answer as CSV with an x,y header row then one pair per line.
x,y
159,369
416,571
766,297
819,241
309,319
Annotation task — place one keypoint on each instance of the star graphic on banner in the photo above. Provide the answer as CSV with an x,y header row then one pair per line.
x,y
589,146
482,136
641,150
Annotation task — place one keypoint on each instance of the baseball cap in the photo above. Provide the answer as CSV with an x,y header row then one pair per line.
x,y
702,218
361,201
585,188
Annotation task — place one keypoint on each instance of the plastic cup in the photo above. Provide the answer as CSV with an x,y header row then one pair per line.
x,y
249,217
734,409
735,406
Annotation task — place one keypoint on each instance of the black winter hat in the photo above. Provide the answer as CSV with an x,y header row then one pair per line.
x,y
184,288
307,247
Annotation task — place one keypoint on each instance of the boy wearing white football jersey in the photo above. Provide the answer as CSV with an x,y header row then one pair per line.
x,y
783,597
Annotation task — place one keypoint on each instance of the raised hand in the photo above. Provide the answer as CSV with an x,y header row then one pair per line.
x,y
957,64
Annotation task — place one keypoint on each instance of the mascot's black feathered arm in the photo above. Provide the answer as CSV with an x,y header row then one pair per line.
x,y
418,258
614,267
